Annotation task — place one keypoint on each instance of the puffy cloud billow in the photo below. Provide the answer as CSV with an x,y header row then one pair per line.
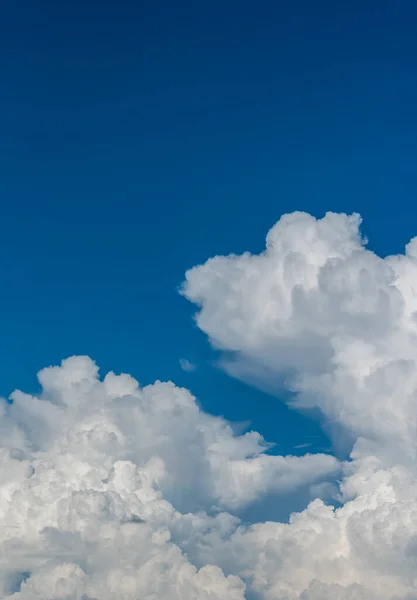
x,y
110,490
104,484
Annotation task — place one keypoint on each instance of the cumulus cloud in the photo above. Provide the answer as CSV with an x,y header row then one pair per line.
x,y
336,325
97,477
109,490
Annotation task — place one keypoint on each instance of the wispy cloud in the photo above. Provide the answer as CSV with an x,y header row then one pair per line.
x,y
187,365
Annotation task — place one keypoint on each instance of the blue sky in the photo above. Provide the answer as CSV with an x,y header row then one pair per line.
x,y
140,138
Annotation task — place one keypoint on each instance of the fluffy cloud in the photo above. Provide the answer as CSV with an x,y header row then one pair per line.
x,y
337,325
110,490
97,476
332,318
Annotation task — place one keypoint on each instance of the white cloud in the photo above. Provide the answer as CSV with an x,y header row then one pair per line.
x,y
187,365
336,324
97,476
330,316
113,491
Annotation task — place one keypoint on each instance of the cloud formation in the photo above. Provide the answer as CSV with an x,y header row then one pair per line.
x,y
110,490
337,325
100,482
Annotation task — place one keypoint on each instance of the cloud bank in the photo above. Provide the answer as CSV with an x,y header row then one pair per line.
x,y
103,484
110,490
